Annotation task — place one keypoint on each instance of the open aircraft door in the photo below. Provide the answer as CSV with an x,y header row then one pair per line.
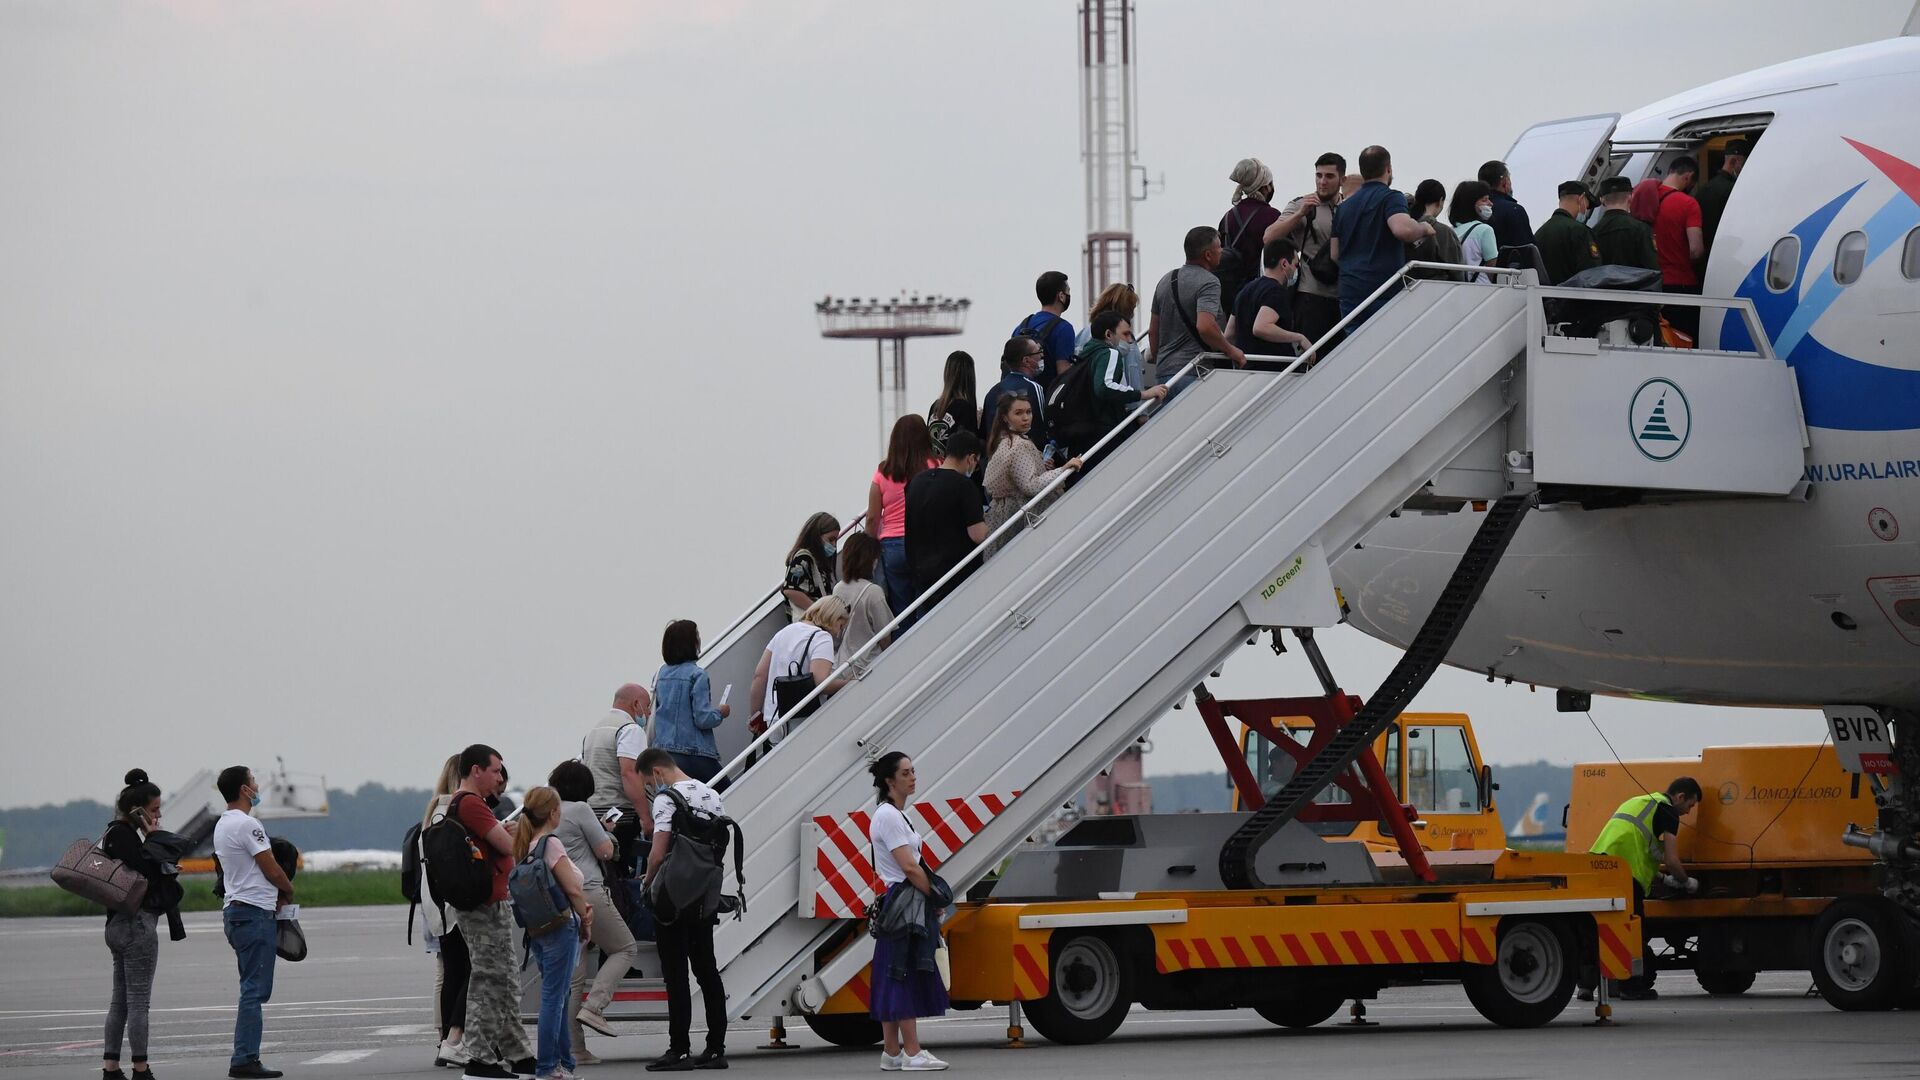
x,y
1548,155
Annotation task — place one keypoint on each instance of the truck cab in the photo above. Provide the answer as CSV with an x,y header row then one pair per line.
x,y
1433,762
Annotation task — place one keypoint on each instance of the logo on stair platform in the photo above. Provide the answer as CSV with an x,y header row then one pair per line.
x,y
1659,419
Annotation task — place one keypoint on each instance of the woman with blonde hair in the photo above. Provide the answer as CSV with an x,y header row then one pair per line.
x,y
799,651
452,966
1123,301
555,949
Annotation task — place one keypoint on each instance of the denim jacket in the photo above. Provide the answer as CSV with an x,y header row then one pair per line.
x,y
683,712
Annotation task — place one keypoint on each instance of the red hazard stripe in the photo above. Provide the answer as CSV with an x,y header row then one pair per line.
x,y
994,804
1477,943
830,875
1617,947
964,811
639,995
1325,944
854,853
1265,948
1386,946
1207,959
1031,966
1419,947
1179,950
1447,947
1236,953
1299,951
862,988
1358,947
940,828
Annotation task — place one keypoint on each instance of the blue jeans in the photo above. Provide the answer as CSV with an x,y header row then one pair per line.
x,y
556,953
899,577
698,766
253,934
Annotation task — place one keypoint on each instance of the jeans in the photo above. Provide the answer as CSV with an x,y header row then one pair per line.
x,y
134,940
253,933
699,767
898,578
555,952
689,942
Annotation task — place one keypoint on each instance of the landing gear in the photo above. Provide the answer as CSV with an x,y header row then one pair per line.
x,y
1091,991
1531,979
1866,950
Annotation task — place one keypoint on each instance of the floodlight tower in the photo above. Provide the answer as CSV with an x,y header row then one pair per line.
x,y
1108,146
891,323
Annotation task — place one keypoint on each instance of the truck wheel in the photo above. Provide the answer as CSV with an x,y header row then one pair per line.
x,y
1725,983
1300,1012
845,1029
1531,979
1091,991
1860,956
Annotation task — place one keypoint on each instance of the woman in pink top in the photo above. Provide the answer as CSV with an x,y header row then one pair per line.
x,y
909,453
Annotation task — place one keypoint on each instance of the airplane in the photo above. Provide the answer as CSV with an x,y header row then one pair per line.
x,y
1800,602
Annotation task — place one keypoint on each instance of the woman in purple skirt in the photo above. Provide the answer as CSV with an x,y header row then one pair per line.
x,y
906,985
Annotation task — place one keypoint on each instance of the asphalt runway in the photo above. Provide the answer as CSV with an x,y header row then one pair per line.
x,y
359,1006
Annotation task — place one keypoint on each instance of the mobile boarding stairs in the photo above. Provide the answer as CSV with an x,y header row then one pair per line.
x,y
1215,518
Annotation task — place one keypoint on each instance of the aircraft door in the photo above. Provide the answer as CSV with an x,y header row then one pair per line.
x,y
1547,155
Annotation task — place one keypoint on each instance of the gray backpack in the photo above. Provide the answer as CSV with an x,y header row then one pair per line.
x,y
688,881
539,903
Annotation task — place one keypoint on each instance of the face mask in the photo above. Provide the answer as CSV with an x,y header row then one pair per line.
x,y
1485,212
1293,277
831,550
253,800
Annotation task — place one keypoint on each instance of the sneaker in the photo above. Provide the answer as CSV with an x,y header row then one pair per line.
x,y
487,1070
585,1057
450,1055
596,1020
253,1070
892,1062
922,1062
524,1067
672,1061
711,1059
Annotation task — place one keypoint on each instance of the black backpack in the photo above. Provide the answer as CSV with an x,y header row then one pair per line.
x,y
1038,335
410,874
687,882
458,871
1070,417
1234,270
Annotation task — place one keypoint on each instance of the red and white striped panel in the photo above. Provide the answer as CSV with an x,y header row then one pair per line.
x,y
841,878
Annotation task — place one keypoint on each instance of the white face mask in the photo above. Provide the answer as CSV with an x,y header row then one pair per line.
x,y
1293,277
1486,213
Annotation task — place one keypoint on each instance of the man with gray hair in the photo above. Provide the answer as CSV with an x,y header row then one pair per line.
x,y
610,750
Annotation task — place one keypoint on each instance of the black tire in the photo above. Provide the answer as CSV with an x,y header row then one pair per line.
x,y
1861,961
1725,983
1301,1012
1089,994
1531,979
845,1029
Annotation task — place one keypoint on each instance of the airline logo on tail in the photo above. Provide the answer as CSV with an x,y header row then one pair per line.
x,y
1659,419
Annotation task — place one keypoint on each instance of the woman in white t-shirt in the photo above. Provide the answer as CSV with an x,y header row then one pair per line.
x,y
898,1003
556,950
1469,211
806,647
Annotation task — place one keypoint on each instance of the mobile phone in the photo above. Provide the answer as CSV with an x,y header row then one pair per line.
x,y
613,815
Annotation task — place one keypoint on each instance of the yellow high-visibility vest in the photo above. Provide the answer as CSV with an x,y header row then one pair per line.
x,y
1629,835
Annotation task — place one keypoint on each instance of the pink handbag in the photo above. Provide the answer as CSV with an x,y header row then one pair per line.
x,y
92,874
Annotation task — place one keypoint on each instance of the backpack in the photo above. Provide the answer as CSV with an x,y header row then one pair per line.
x,y
797,683
1234,270
1070,415
89,872
539,903
939,427
686,885
1321,263
1038,335
410,874
458,872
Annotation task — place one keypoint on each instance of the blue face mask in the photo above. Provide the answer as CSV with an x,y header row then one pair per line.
x,y
253,800
832,549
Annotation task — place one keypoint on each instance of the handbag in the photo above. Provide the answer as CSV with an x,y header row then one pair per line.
x,y
90,873
790,689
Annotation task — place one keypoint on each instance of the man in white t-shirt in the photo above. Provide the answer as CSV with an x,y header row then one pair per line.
x,y
255,887
611,750
686,942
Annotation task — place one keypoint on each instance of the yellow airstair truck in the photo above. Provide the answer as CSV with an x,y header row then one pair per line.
x,y
1207,526
1788,881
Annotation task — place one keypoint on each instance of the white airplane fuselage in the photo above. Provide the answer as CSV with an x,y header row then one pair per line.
x,y
1757,602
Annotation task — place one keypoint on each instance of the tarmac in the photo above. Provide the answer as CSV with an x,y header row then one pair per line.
x,y
359,1006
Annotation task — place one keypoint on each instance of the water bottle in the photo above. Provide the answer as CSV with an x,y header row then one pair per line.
x,y
1048,455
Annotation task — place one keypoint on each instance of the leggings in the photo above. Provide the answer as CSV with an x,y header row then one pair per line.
x,y
455,968
135,944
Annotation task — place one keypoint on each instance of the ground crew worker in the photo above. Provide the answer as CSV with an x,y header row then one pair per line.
x,y
1623,240
1645,834
1565,243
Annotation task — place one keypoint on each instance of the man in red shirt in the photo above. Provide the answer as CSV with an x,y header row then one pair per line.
x,y
496,1044
1681,243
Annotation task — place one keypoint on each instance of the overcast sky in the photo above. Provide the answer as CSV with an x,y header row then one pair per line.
x,y
376,378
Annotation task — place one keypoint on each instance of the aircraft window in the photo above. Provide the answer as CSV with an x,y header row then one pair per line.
x,y
1783,263
1910,256
1850,258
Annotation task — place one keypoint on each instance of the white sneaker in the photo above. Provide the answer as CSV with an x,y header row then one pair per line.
x,y
452,1053
892,1062
922,1062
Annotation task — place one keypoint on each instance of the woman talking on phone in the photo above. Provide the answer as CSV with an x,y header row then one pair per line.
x,y
133,936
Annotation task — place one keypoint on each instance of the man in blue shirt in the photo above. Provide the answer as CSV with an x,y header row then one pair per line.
x,y
1511,225
1371,231
1049,326
1017,363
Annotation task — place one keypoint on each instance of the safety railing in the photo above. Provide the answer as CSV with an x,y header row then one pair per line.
x,y
858,663
758,608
